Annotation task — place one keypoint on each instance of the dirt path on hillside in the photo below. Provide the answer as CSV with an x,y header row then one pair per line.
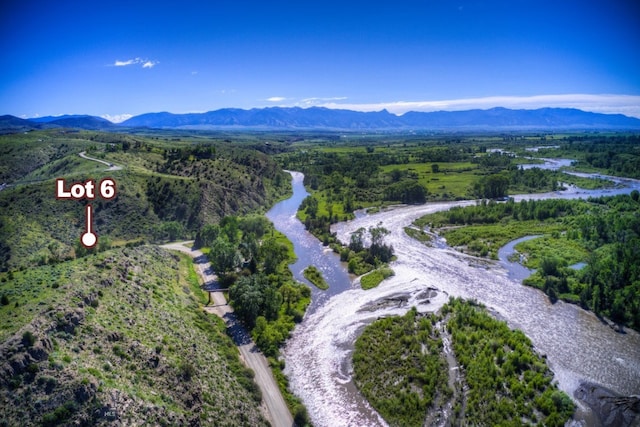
x,y
112,167
275,407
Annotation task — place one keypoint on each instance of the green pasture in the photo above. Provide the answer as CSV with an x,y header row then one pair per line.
x,y
452,181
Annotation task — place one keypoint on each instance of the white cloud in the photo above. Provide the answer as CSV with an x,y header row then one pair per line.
x,y
313,102
609,104
118,118
124,63
305,102
136,61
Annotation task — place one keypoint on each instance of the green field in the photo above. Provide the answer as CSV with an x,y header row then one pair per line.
x,y
453,180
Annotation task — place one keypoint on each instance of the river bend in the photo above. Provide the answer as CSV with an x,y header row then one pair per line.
x,y
578,345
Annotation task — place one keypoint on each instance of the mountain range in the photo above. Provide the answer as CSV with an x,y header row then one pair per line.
x,y
319,118
11,124
324,118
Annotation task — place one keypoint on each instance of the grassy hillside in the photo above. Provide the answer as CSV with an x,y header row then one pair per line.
x,y
117,336
165,190
23,153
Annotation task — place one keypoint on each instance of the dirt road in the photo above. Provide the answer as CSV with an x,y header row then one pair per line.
x,y
276,409
111,167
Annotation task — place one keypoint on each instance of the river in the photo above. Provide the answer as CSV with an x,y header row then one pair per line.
x,y
579,347
308,248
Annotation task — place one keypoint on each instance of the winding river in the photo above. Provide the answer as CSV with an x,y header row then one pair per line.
x,y
579,347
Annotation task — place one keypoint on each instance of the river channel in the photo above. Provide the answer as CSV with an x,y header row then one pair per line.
x,y
579,347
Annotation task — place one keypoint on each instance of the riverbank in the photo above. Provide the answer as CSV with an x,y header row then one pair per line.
x,y
595,234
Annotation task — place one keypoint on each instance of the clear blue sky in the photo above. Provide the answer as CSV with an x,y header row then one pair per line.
x,y
115,58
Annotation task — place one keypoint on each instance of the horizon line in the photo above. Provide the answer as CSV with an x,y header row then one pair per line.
x,y
628,105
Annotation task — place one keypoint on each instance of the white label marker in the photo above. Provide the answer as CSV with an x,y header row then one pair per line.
x,y
89,239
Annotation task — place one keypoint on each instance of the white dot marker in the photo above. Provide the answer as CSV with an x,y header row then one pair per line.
x,y
89,238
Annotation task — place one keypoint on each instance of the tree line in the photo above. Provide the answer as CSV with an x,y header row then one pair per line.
x,y
618,155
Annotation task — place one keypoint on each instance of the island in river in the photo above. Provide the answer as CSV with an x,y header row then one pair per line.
x,y
318,355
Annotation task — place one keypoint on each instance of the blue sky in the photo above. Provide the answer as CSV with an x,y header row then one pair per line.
x,y
117,58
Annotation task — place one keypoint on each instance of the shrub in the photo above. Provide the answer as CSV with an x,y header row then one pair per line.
x,y
187,371
314,275
28,339
301,417
60,414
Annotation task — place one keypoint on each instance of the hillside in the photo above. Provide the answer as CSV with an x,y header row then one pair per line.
x,y
12,124
117,334
76,121
23,153
163,193
117,337
324,118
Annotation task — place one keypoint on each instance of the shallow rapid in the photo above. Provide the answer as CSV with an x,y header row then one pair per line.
x,y
579,347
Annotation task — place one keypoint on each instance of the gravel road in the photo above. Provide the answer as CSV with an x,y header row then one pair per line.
x,y
111,167
276,410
